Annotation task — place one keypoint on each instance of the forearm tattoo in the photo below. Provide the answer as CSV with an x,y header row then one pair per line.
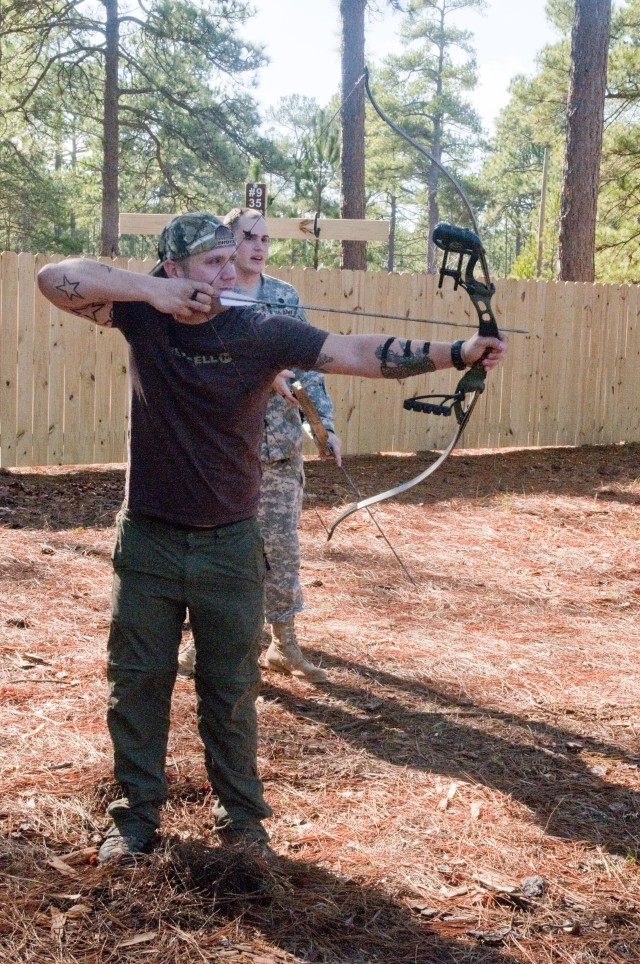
x,y
69,288
95,312
395,364
322,360
100,312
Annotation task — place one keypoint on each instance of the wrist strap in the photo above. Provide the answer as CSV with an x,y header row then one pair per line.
x,y
456,356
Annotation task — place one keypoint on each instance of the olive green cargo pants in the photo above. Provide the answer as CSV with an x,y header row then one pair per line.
x,y
218,574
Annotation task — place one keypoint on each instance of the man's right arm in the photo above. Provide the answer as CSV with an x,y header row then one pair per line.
x,y
89,289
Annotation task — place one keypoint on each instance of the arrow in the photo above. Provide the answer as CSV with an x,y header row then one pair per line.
x,y
232,299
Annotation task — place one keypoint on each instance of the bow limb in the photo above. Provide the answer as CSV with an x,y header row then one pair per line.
x,y
420,148
321,438
405,486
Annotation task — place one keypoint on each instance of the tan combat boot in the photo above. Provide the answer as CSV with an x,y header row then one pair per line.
x,y
285,656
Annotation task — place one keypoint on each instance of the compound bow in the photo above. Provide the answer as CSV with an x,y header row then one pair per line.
x,y
465,244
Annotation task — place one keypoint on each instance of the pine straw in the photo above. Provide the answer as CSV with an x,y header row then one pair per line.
x,y
479,729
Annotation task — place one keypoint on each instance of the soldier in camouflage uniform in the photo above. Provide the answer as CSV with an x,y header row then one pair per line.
x,y
282,463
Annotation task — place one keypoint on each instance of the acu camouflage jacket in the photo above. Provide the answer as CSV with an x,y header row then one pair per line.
x,y
283,433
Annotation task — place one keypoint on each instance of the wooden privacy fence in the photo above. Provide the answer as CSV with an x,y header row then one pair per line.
x,y
570,381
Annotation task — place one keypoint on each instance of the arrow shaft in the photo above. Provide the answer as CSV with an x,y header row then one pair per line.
x,y
235,300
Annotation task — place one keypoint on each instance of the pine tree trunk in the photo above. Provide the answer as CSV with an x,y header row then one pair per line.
x,y
585,115
110,128
352,193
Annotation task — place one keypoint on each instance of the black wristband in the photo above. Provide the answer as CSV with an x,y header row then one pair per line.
x,y
456,356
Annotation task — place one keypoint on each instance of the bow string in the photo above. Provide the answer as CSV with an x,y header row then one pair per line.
x,y
321,438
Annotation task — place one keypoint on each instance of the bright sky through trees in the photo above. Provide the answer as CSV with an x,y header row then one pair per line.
x,y
302,40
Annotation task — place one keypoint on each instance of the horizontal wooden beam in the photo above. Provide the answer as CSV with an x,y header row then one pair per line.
x,y
330,229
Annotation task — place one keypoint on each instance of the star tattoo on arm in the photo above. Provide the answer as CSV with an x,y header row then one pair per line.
x,y
69,288
92,311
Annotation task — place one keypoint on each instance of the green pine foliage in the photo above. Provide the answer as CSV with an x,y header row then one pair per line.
x,y
188,122
190,133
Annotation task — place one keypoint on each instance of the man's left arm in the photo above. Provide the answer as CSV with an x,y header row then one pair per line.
x,y
381,356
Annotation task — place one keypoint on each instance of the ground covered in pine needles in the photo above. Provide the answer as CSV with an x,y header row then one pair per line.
x,y
464,789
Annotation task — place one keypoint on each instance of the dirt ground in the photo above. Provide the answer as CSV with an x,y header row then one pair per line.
x,y
464,789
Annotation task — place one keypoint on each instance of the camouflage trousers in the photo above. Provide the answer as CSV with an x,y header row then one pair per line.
x,y
159,571
278,517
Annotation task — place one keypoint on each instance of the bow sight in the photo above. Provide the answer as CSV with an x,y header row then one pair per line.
x,y
466,244
463,242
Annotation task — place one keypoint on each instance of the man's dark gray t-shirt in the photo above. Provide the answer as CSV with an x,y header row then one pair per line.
x,y
198,399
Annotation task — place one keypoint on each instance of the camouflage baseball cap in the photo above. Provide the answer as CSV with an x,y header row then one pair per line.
x,y
189,234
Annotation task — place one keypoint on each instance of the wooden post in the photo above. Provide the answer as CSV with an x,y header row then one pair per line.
x,y
392,234
543,204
